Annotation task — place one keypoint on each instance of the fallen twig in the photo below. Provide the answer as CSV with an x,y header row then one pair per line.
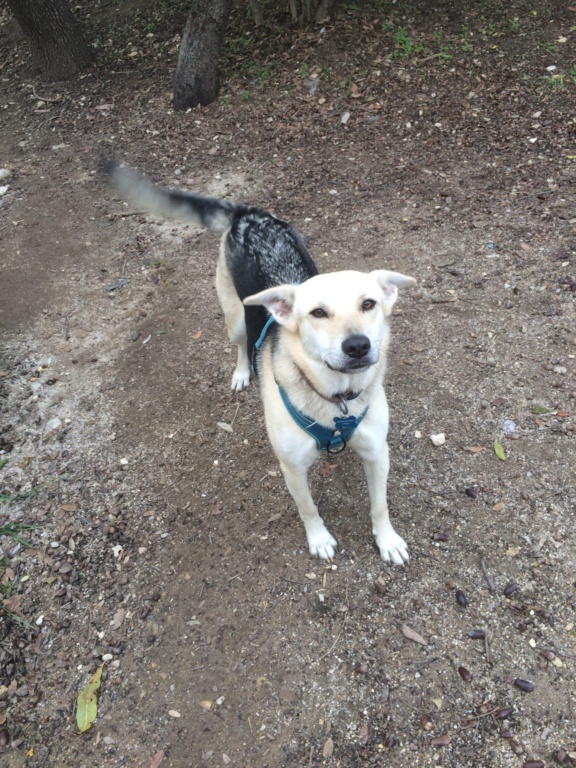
x,y
489,579
45,98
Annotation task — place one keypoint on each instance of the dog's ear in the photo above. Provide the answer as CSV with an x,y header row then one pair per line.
x,y
389,282
279,301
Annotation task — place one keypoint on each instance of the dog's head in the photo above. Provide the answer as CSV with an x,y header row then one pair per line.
x,y
340,317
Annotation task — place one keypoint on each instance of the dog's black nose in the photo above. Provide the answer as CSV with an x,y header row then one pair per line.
x,y
356,346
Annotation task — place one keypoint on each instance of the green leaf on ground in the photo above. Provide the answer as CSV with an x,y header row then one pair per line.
x,y
87,705
540,409
498,450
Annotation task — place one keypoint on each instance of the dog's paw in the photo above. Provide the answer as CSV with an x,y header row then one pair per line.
x,y
393,548
240,380
322,544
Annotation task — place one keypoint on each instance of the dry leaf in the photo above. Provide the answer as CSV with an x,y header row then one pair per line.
x,y
437,703
411,634
205,704
441,741
118,619
363,734
157,759
197,335
225,426
513,551
473,448
498,507
328,747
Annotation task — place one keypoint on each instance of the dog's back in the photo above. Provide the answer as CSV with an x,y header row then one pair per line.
x,y
260,250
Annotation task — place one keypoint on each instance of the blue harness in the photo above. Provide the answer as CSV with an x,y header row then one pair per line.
x,y
330,440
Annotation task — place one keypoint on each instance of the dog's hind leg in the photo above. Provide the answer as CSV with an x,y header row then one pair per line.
x,y
233,310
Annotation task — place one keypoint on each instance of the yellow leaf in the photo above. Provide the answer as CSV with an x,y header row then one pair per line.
x,y
87,706
513,551
437,702
498,450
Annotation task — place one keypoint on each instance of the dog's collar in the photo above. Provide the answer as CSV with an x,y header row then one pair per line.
x,y
340,398
330,440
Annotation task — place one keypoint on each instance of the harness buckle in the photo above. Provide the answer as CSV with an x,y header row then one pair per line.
x,y
337,447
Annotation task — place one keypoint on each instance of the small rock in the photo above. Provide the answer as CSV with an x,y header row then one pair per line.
x,y
53,424
524,685
465,674
438,439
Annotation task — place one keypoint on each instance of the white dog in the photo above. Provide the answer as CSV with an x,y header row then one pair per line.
x,y
317,343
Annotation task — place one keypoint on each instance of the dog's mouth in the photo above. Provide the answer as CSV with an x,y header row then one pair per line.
x,y
354,366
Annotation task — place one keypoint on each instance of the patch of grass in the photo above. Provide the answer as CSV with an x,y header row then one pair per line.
x,y
404,45
13,530
559,80
8,497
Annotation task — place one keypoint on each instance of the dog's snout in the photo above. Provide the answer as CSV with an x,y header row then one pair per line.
x,y
356,346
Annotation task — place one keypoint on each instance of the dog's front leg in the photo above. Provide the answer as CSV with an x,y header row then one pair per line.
x,y
392,547
320,542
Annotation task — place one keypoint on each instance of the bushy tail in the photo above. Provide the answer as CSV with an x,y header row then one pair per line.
x,y
204,212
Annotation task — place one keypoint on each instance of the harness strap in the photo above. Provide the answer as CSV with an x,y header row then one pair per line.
x,y
331,440
260,340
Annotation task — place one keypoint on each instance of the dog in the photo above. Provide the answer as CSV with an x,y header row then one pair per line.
x,y
317,343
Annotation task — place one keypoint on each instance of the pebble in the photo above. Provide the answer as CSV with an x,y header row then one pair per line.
x,y
5,174
465,674
461,598
438,439
524,685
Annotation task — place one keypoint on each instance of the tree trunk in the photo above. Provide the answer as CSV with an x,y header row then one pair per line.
x,y
196,78
57,45
257,12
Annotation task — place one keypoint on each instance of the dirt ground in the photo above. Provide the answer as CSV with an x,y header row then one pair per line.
x,y
439,144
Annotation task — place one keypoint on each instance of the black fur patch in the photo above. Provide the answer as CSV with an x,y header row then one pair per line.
x,y
261,252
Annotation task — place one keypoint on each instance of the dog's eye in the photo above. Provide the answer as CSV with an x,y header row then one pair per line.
x,y
318,312
368,304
